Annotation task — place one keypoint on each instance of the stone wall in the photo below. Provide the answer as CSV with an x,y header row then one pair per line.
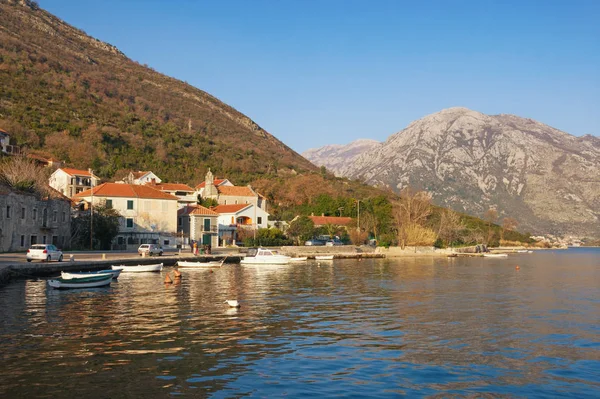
x,y
392,252
24,218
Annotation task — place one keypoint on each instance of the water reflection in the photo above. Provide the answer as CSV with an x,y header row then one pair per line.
x,y
413,327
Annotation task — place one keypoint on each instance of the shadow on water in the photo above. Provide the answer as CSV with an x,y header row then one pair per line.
x,y
414,327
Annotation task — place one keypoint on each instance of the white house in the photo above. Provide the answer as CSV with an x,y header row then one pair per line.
x,y
233,218
197,223
141,178
226,193
69,181
187,195
148,215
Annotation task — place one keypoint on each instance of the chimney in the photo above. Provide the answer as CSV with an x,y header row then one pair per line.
x,y
312,214
322,214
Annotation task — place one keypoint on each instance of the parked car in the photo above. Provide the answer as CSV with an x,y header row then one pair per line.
x,y
331,243
315,242
44,252
150,249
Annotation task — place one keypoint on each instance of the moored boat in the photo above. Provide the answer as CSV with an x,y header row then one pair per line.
x,y
69,275
324,257
299,259
139,268
87,282
495,255
263,256
200,265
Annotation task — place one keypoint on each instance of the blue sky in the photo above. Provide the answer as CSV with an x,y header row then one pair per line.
x,y
329,72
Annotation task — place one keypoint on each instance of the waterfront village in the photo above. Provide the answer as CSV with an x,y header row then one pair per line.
x,y
150,211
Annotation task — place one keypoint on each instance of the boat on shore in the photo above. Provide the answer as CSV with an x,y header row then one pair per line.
x,y
200,265
495,255
86,282
299,259
263,256
323,257
139,268
70,275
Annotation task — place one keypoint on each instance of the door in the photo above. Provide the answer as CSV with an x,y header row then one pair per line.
x,y
205,239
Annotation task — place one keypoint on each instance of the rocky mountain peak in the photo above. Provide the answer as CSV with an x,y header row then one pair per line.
x,y
470,161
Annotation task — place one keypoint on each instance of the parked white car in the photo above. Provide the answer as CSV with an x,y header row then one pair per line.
x,y
150,249
44,252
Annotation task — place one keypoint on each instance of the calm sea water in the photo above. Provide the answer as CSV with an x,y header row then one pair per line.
x,y
375,328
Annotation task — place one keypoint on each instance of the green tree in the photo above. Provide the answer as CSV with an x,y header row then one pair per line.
x,y
104,229
301,229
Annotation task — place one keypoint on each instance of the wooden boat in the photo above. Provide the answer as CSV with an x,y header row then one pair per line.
x,y
263,256
113,273
495,255
298,260
139,268
87,282
324,257
200,265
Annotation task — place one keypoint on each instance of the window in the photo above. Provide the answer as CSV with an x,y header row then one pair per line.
x,y
54,216
166,242
33,240
120,240
22,240
8,211
130,222
22,213
206,224
129,204
259,220
64,217
34,216
54,240
180,221
43,239
108,204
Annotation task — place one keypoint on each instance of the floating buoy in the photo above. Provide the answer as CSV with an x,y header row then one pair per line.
x,y
233,303
517,267
168,279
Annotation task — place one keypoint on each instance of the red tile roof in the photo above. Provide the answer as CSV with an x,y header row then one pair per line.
x,y
171,187
216,182
196,210
235,208
76,172
236,191
335,220
126,190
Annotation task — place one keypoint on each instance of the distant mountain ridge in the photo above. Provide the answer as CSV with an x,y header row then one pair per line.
x,y
335,156
547,179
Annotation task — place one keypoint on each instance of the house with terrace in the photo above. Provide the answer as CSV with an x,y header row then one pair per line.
x,y
197,223
236,220
148,215
69,181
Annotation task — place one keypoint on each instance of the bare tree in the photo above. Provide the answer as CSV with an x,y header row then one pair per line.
x,y
450,226
411,211
491,215
508,224
22,174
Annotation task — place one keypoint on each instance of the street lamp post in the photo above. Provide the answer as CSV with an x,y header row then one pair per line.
x,y
358,222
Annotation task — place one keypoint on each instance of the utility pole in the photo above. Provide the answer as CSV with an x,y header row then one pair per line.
x,y
92,211
358,223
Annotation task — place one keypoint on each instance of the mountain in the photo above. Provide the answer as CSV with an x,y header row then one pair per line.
x,y
334,157
84,102
547,179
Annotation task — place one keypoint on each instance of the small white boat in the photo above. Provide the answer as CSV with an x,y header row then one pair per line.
x,y
263,256
113,273
200,265
495,255
324,257
139,268
299,259
88,282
